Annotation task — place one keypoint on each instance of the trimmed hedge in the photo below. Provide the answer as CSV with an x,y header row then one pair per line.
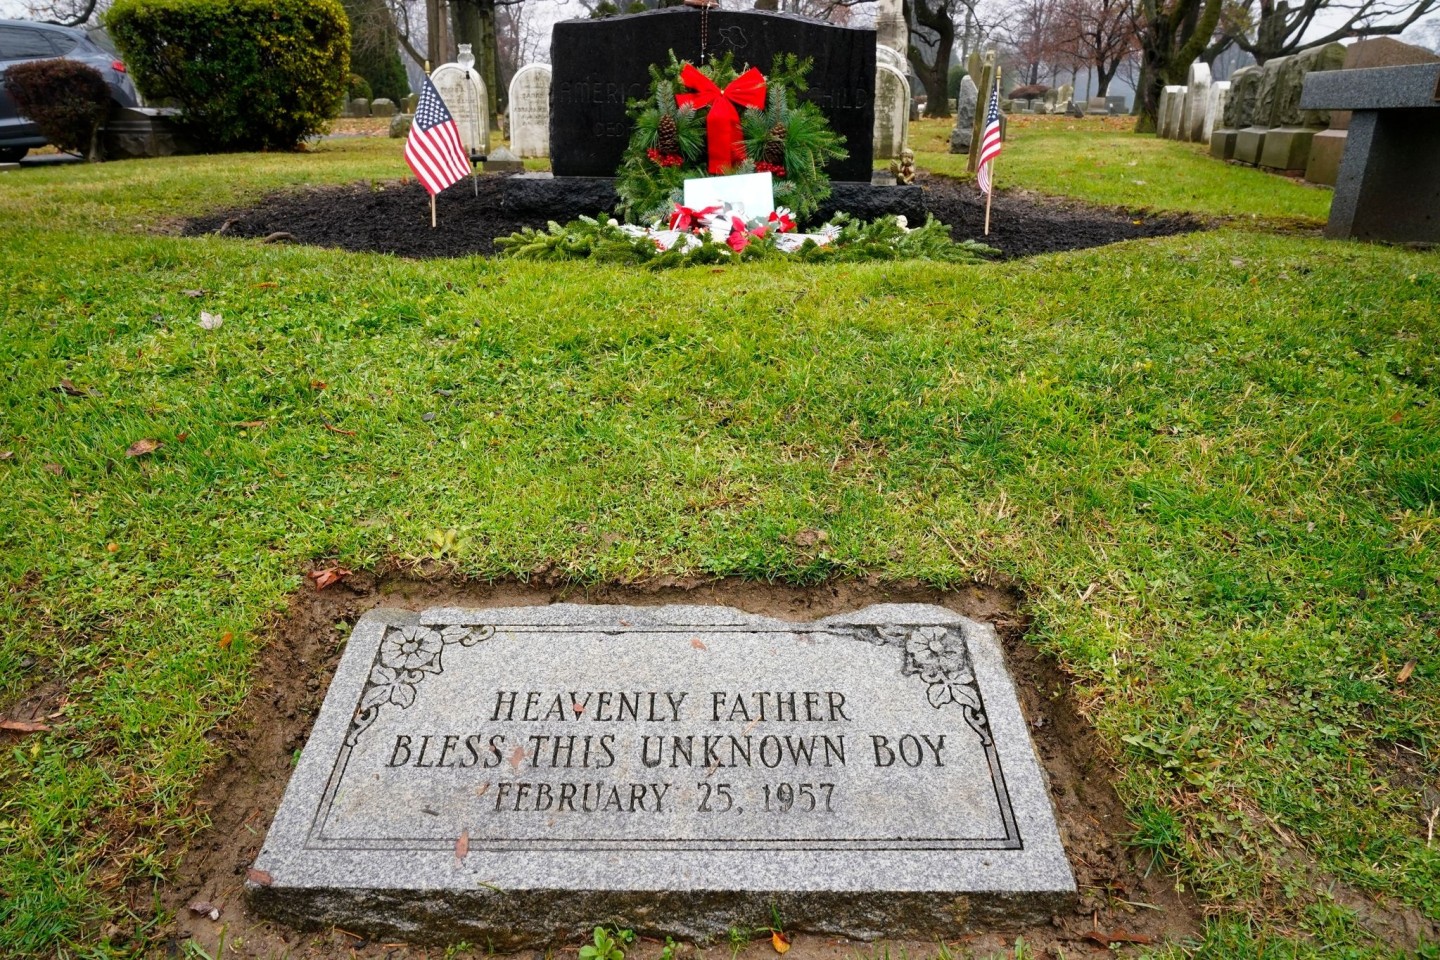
x,y
67,100
246,74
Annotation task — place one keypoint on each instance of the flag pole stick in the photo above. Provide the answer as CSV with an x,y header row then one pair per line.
x,y
991,193
432,211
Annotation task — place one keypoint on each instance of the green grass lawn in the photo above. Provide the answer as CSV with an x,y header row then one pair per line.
x,y
1212,463
1098,160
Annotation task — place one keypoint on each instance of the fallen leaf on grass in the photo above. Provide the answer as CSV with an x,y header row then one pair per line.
x,y
68,388
203,908
6,454
462,846
318,384
1117,936
334,429
182,436
808,538
142,447
210,321
226,639
323,578
267,285
249,424
54,468
24,726
261,877
779,941
193,294
1405,672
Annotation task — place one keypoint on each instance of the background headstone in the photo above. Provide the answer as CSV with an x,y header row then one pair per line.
x,y
600,65
464,94
1244,87
892,112
1116,103
891,29
1215,103
529,115
1197,98
1287,145
1097,106
359,107
1172,103
1272,76
382,108
964,116
894,58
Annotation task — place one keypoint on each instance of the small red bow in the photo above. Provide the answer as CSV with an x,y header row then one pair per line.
x,y
722,125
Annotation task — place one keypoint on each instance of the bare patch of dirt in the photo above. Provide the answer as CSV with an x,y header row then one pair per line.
x,y
394,218
1119,902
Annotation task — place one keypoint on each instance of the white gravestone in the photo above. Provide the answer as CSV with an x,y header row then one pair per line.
x,y
1197,97
892,111
891,29
892,58
1215,108
1172,103
464,94
530,111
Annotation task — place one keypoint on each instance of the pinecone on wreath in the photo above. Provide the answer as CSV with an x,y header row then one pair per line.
x,y
668,141
772,158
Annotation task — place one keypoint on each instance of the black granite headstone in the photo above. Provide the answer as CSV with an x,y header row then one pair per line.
x,y
600,65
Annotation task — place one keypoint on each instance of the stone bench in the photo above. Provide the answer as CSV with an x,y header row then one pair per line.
x,y
1389,182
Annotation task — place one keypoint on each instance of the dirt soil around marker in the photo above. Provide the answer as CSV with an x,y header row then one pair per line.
x,y
1122,901
395,218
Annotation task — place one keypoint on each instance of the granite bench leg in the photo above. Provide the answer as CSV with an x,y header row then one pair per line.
x,y
1389,182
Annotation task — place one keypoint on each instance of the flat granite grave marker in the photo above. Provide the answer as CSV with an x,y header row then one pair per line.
x,y
600,65
514,776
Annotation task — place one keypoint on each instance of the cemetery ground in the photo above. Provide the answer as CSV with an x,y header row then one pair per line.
x,y
1194,477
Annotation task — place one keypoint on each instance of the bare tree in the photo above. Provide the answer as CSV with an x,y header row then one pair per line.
x,y
1172,34
1099,34
1266,29
67,13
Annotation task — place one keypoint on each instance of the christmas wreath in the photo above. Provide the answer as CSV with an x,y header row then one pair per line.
x,y
713,120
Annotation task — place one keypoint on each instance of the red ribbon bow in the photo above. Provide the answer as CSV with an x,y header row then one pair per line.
x,y
722,125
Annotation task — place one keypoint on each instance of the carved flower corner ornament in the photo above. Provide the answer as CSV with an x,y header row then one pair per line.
x,y
406,655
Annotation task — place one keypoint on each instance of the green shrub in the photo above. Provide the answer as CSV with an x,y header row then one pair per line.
x,y
952,81
359,88
382,70
67,100
246,74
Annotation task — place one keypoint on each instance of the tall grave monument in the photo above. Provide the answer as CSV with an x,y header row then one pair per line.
x,y
600,65
514,776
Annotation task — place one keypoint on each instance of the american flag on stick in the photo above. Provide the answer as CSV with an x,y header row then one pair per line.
x,y
433,150
990,144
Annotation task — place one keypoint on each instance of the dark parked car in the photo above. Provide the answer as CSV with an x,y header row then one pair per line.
x,y
22,40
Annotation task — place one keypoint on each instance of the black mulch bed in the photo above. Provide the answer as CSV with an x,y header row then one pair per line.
x,y
395,218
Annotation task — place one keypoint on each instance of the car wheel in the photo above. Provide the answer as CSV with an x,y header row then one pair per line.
x,y
12,154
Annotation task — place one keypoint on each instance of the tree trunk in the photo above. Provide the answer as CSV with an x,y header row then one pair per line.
x,y
934,77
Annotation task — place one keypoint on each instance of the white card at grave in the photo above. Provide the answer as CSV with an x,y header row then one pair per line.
x,y
751,195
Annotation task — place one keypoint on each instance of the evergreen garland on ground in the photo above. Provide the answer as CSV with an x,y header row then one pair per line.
x,y
790,139
853,241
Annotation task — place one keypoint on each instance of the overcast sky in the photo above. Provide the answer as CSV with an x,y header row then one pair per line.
x,y
1323,24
